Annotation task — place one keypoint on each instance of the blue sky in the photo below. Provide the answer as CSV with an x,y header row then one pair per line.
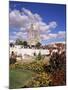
x,y
51,19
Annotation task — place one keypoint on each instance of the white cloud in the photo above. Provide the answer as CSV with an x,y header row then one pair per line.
x,y
32,17
53,35
11,41
53,24
17,20
26,17
21,33
48,36
13,37
45,37
14,33
60,34
23,20
58,42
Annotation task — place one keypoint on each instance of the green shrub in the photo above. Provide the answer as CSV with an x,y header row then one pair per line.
x,y
12,60
40,80
39,56
36,66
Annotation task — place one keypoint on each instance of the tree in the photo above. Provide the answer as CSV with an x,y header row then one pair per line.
x,y
39,56
19,42
38,45
25,44
57,69
58,78
12,58
11,45
55,61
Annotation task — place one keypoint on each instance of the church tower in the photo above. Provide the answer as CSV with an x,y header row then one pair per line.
x,y
33,34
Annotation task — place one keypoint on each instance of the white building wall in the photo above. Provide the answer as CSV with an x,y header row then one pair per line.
x,y
30,52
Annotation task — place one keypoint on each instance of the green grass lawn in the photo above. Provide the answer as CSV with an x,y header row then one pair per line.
x,y
18,77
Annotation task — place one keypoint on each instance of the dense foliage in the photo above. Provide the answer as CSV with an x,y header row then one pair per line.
x,y
53,74
58,78
38,45
11,45
25,44
40,80
57,68
36,66
12,58
19,42
39,56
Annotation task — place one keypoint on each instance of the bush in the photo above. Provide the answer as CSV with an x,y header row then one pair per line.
x,y
58,69
47,68
39,56
53,74
58,78
36,66
57,61
40,80
12,58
